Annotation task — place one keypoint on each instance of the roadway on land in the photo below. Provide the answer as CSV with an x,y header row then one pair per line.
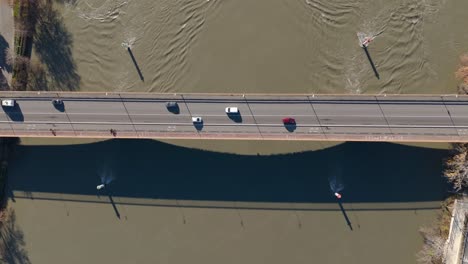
x,y
318,117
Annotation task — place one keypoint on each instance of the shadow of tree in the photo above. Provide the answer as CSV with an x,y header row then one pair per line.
x,y
4,47
69,2
12,245
3,83
53,45
37,78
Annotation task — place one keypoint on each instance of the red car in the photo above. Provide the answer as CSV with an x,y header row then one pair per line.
x,y
289,121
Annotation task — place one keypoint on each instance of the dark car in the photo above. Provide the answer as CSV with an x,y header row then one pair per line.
x,y
289,121
172,107
57,102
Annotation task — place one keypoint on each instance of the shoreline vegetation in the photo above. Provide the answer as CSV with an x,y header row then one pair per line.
x,y
456,172
456,164
25,14
435,235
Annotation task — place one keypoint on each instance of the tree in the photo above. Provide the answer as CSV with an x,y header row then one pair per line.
x,y
456,166
20,73
433,248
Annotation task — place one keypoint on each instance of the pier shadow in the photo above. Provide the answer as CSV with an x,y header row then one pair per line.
x,y
53,45
348,222
371,172
135,63
109,194
371,62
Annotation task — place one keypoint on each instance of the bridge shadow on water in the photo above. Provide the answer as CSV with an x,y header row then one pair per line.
x,y
371,172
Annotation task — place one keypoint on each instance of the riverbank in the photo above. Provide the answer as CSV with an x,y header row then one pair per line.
x,y
438,246
455,246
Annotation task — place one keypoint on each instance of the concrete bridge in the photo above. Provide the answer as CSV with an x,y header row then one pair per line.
x,y
412,118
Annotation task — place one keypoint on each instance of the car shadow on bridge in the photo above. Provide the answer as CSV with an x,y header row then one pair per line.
x,y
60,107
198,126
370,172
290,127
14,113
236,117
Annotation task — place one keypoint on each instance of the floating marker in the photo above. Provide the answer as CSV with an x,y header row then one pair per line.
x,y
366,42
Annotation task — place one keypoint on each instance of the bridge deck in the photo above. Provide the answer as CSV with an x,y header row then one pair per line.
x,y
318,117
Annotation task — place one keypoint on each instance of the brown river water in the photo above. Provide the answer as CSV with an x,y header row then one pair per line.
x,y
262,46
237,209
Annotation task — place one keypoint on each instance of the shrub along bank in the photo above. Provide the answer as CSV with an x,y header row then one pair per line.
x,y
25,13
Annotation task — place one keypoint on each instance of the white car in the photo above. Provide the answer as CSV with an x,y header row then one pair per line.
x,y
232,110
8,102
197,119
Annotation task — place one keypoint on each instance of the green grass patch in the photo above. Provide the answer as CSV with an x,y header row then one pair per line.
x,y
16,9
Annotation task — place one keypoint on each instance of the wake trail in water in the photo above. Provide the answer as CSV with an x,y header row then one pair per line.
x,y
178,47
336,184
400,53
107,12
106,175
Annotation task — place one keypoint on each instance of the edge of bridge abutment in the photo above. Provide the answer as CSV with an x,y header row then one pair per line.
x,y
315,96
235,96
232,136
455,251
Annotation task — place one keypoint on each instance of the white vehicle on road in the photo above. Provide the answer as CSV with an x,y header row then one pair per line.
x,y
197,119
8,102
232,110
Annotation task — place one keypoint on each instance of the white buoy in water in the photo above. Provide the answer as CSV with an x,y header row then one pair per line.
x,y
99,187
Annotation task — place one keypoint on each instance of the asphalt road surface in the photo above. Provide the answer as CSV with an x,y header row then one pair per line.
x,y
318,117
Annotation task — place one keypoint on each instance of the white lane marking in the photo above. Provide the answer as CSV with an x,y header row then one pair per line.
x,y
276,115
239,125
314,130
